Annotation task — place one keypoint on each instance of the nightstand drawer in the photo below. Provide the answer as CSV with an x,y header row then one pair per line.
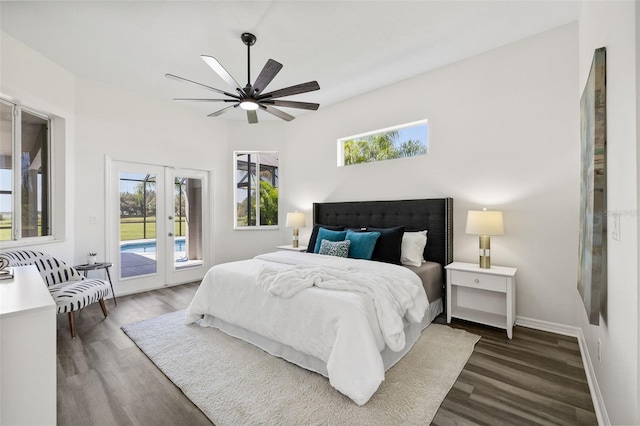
x,y
481,281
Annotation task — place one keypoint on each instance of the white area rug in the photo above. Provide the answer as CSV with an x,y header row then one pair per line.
x,y
235,383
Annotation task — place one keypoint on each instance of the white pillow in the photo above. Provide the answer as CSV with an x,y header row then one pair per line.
x,y
412,249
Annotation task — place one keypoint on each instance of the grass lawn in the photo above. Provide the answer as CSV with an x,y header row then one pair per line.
x,y
131,228
5,229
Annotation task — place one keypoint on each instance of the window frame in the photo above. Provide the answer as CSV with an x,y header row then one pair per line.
x,y
16,182
341,141
258,226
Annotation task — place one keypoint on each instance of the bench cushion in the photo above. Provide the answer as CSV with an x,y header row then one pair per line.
x,y
75,295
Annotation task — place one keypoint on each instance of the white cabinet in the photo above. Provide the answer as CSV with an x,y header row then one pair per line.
x,y
27,350
485,296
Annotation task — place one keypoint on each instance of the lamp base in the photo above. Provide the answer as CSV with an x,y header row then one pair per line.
x,y
485,252
295,238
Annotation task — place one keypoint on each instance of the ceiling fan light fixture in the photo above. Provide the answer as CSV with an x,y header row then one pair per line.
x,y
249,105
250,98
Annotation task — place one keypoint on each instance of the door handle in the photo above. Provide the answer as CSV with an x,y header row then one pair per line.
x,y
170,217
171,234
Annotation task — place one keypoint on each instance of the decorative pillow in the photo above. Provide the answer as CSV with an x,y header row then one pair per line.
x,y
327,234
413,244
362,244
389,245
311,247
334,248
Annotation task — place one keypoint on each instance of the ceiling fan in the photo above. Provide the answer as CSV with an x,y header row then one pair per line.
x,y
251,98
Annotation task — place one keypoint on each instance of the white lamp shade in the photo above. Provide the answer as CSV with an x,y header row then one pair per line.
x,y
295,220
485,222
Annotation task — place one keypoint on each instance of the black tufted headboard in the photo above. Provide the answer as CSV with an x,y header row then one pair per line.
x,y
435,215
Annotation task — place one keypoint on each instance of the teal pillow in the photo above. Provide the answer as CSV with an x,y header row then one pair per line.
x,y
362,244
335,248
326,234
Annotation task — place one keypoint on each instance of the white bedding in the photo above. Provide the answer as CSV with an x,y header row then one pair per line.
x,y
338,327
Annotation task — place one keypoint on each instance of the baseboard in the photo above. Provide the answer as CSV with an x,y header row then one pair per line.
x,y
567,330
145,289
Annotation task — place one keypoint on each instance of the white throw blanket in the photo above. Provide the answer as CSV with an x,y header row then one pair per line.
x,y
393,297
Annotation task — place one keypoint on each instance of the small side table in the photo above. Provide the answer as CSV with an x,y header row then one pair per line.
x,y
85,268
485,296
290,247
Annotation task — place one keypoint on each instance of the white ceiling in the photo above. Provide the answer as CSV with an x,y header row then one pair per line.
x,y
349,47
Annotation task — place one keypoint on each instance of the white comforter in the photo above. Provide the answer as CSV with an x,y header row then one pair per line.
x,y
341,311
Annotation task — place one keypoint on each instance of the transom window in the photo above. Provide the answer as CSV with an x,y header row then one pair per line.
x,y
25,173
256,189
405,140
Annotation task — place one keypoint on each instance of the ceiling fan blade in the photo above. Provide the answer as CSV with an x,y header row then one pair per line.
x,y
223,73
292,90
221,111
222,92
270,70
252,116
292,104
205,100
277,112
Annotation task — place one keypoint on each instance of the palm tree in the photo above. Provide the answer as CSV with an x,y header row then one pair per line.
x,y
411,148
378,147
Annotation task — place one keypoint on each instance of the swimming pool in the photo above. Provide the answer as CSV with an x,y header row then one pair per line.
x,y
148,246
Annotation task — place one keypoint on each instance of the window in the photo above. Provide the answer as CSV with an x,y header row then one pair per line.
x,y
25,173
256,189
405,140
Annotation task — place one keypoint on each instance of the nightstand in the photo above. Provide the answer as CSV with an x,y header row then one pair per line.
x,y
290,247
485,296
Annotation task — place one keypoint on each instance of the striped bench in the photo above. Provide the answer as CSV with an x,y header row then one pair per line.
x,y
69,288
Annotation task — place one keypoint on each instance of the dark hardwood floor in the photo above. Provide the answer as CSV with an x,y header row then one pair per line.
x,y
104,379
537,378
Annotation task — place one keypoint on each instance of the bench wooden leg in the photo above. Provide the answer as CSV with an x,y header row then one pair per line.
x,y
103,306
72,324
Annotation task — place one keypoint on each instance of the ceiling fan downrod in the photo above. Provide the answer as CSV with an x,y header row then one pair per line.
x,y
249,40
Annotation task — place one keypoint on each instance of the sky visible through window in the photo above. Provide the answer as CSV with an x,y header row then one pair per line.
x,y
5,185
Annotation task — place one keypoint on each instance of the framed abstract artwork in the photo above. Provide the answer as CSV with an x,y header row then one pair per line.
x,y
592,266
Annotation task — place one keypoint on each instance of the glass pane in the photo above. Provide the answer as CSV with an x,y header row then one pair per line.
x,y
137,224
268,189
6,161
256,205
187,222
245,189
34,175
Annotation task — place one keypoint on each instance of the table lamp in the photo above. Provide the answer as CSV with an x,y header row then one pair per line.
x,y
485,223
295,220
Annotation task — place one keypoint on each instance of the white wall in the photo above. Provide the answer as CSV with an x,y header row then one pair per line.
x,y
130,127
504,134
614,25
34,81
264,136
638,191
124,126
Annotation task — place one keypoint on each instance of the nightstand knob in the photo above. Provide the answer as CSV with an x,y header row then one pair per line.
x,y
476,281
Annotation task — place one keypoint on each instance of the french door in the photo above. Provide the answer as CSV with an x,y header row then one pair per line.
x,y
159,225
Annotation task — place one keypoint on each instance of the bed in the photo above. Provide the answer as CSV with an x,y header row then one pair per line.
x,y
347,319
